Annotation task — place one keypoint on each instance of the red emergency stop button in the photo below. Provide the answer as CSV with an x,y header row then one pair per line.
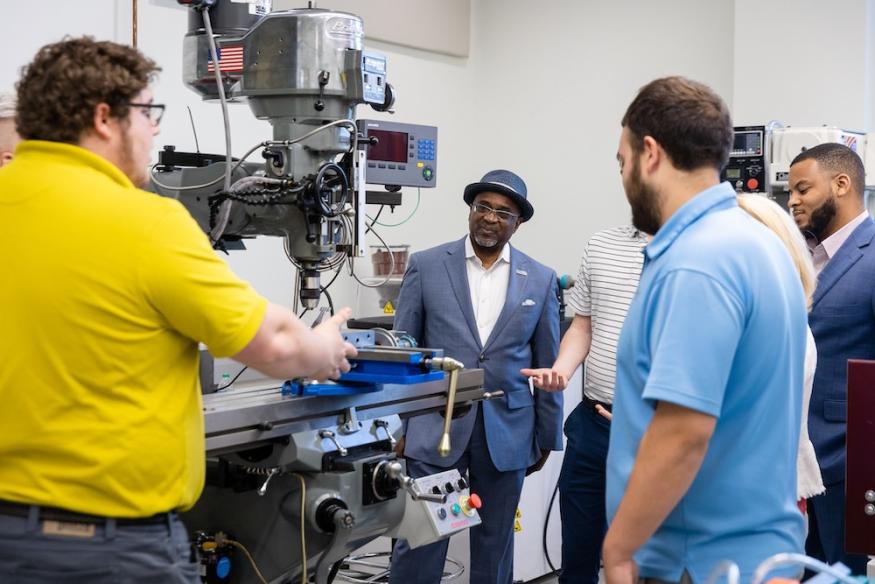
x,y
470,504
752,184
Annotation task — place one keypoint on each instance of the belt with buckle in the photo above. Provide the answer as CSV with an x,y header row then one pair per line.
x,y
64,516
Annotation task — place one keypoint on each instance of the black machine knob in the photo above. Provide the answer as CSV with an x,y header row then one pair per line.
x,y
383,484
326,511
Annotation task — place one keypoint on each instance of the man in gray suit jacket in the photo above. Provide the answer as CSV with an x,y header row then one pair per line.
x,y
491,307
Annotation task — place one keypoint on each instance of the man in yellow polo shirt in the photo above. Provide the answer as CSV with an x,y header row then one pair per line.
x,y
107,291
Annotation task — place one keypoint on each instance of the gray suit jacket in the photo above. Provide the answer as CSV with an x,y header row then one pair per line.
x,y
435,308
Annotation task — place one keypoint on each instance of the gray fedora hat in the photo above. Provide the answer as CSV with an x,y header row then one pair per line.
x,y
506,183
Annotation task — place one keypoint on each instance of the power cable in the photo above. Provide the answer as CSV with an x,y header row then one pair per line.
x,y
403,221
304,577
546,525
236,377
239,545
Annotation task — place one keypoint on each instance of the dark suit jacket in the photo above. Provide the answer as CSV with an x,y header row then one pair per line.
x,y
435,308
843,322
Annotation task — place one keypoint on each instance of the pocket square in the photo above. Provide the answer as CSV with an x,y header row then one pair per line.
x,y
528,302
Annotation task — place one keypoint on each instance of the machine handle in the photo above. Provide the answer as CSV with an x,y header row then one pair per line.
x,y
393,470
262,490
385,426
453,366
331,436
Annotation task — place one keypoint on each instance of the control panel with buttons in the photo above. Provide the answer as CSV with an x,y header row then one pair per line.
x,y
430,521
399,154
746,169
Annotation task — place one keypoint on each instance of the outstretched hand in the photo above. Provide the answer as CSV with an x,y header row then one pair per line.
x,y
546,379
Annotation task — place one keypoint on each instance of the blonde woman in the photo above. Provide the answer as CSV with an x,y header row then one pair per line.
x,y
808,482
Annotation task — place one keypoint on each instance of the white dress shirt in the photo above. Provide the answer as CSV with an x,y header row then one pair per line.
x,y
488,288
822,252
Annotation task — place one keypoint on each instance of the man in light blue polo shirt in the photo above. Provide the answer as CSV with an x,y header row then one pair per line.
x,y
702,459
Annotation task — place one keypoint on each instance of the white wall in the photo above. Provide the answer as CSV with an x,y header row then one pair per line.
x,y
27,27
804,62
553,82
448,28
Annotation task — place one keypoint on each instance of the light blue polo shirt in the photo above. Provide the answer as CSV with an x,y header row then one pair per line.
x,y
717,326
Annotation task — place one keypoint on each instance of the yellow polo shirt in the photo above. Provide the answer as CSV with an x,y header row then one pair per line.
x,y
106,291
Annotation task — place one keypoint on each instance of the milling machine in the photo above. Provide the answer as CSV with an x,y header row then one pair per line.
x,y
301,474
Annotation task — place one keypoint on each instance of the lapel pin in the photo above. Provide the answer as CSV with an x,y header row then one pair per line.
x,y
522,272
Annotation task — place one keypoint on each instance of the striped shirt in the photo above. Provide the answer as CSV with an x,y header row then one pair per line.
x,y
607,280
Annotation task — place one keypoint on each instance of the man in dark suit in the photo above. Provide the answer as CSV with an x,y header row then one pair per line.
x,y
826,199
492,307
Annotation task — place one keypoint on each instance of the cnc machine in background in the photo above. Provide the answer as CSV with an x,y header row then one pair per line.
x,y
759,161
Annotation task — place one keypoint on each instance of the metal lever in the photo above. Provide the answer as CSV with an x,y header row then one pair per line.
x,y
328,434
343,521
263,488
453,366
393,470
385,426
323,78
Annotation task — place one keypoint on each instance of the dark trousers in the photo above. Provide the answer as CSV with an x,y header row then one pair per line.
x,y
826,530
582,495
33,551
491,542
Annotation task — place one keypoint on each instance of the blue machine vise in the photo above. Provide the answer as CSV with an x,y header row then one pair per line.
x,y
371,368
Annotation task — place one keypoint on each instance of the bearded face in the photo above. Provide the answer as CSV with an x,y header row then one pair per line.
x,y
644,200
492,220
812,199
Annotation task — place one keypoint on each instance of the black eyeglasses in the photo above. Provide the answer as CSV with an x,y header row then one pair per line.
x,y
503,216
154,111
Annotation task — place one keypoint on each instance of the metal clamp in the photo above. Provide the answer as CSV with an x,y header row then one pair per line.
x,y
351,422
385,426
329,435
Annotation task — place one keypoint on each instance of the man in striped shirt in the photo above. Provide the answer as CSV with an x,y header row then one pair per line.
x,y
603,290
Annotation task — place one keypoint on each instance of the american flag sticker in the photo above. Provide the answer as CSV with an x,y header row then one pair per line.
x,y
230,59
851,142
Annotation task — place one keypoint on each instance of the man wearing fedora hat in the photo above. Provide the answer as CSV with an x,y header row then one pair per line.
x,y
492,307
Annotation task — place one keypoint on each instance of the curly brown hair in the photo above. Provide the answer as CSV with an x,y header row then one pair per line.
x,y
60,88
